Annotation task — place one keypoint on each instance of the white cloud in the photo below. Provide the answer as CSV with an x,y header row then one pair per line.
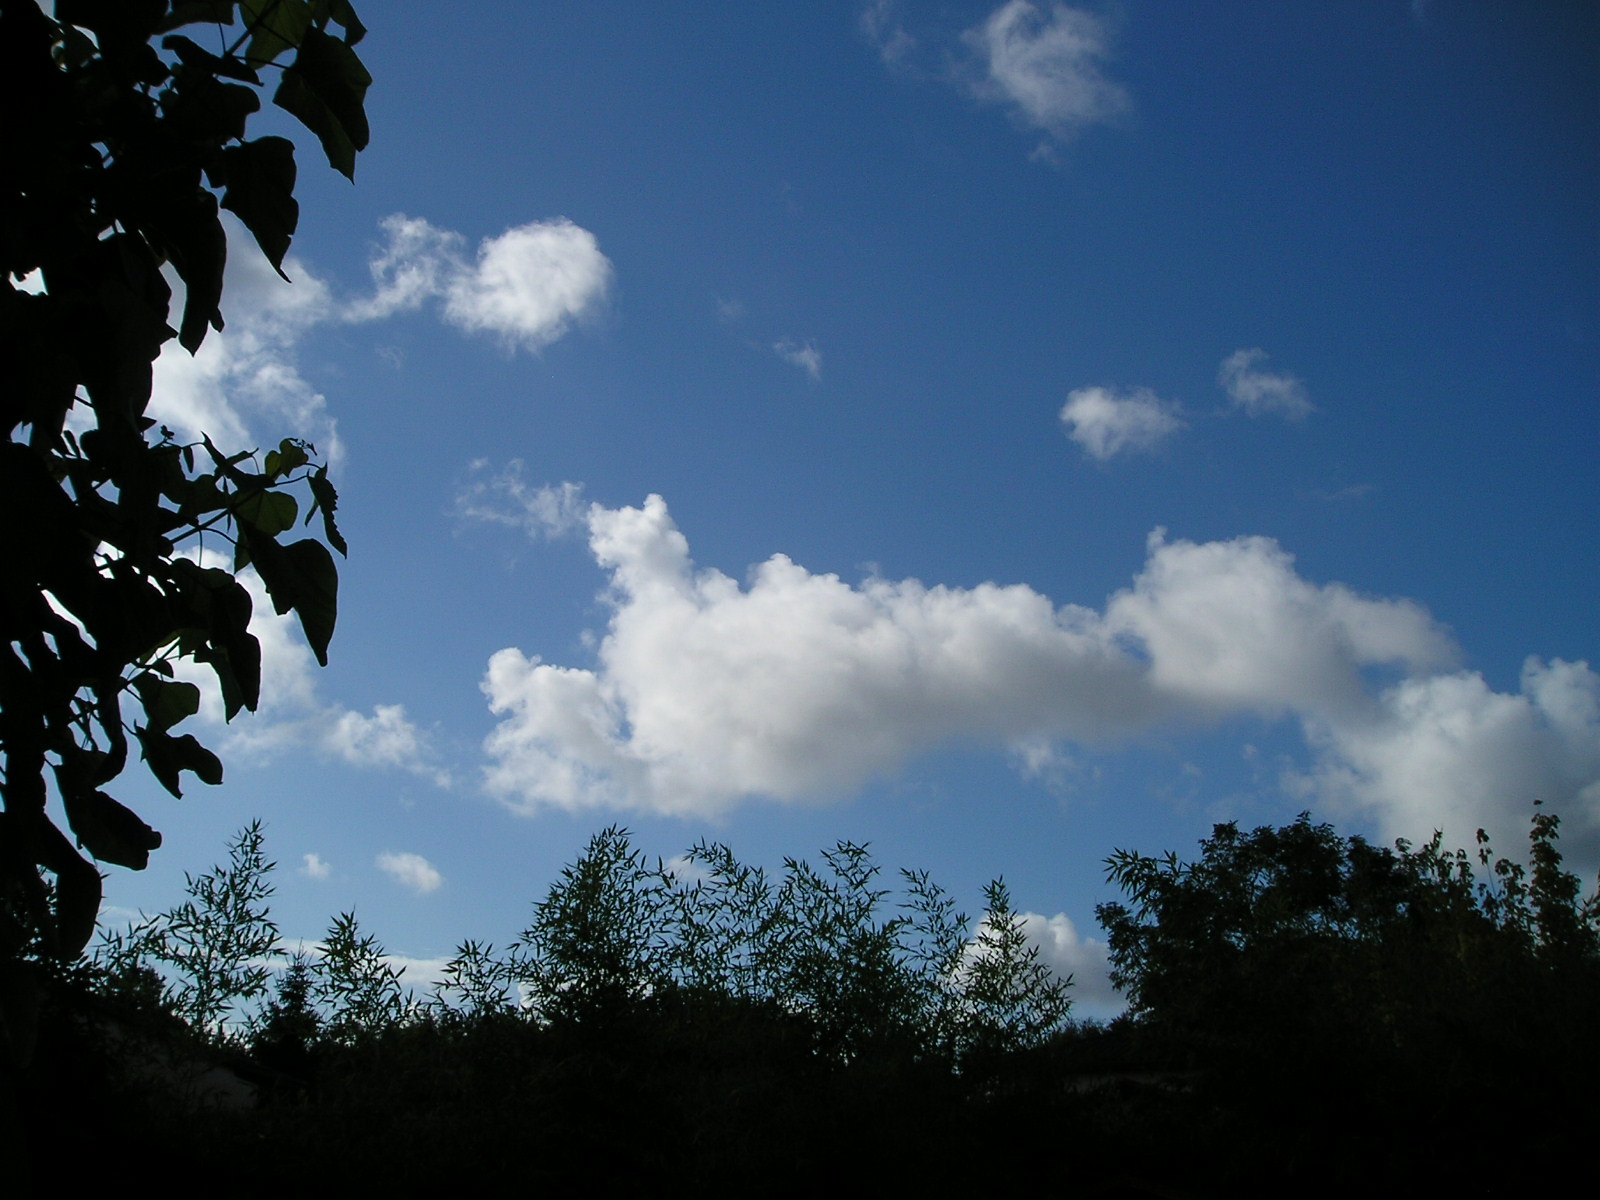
x,y
1228,627
527,286
243,387
1047,67
802,687
385,739
806,356
1259,391
1106,423
411,871
506,498
316,867
1086,960
1447,752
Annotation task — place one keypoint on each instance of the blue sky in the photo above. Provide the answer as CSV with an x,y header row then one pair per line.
x,y
1000,433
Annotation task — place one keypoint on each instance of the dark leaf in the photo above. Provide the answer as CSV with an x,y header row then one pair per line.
x,y
325,88
275,26
325,498
110,831
166,703
300,576
260,191
167,756
270,512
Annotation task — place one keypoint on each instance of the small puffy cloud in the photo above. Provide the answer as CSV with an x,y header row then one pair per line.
x,y
805,355
314,866
527,286
801,687
411,871
1046,67
1259,391
505,497
1107,423
385,739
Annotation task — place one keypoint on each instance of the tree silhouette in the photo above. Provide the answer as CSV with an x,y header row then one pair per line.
x,y
120,151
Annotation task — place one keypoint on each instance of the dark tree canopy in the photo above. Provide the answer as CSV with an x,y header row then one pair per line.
x,y
124,138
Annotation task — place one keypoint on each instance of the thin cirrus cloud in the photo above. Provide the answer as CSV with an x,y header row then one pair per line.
x,y
800,687
1260,392
1046,67
527,286
1106,422
411,871
804,355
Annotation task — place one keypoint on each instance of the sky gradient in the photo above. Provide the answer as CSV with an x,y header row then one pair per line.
x,y
997,433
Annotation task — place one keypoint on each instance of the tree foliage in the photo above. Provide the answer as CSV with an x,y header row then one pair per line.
x,y
1334,992
214,950
819,946
125,137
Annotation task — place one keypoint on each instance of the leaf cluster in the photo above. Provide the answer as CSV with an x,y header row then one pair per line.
x,y
125,139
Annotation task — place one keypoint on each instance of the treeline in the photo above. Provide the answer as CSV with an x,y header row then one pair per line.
x,y
1305,1010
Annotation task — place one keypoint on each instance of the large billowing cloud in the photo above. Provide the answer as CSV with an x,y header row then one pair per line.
x,y
1046,66
527,286
798,686
1107,423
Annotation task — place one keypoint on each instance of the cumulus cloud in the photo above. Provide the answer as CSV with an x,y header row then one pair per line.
x,y
805,355
1448,752
411,871
798,686
315,867
527,286
1260,392
1107,423
1086,960
1046,67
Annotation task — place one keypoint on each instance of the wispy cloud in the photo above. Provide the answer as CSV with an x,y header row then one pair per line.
x,y
880,22
411,871
1107,423
1259,391
505,497
1046,67
315,867
804,355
